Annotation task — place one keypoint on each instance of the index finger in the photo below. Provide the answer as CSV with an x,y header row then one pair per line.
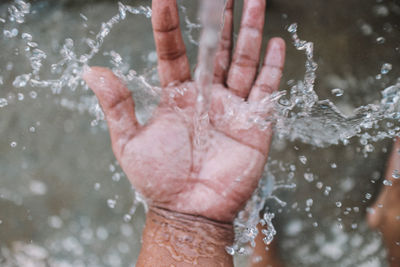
x,y
173,64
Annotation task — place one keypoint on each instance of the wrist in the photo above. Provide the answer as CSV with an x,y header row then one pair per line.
x,y
172,237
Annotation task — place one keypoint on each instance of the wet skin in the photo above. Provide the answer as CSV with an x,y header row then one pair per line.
x,y
185,184
385,213
262,257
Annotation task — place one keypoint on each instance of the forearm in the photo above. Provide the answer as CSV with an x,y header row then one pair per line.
x,y
175,239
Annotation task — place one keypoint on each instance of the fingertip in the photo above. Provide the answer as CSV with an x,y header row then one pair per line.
x,y
117,103
93,76
90,76
102,79
88,72
108,88
276,50
278,42
270,74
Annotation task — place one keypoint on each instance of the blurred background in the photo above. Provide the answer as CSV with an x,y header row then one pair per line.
x,y
64,201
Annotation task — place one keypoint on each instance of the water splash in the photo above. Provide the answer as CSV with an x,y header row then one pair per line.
x,y
67,71
191,27
301,115
18,10
253,214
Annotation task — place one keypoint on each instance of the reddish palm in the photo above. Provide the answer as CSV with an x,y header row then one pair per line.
x,y
162,158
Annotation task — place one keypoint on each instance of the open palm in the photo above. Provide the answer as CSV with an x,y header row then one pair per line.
x,y
210,173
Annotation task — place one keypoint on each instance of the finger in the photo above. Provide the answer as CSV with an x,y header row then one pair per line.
x,y
173,64
270,74
247,51
223,55
117,104
261,256
377,215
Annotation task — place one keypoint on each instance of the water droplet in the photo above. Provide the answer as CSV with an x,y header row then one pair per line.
x,y
13,144
292,28
26,36
338,204
32,129
337,92
386,67
345,141
32,44
327,190
309,202
116,177
387,182
55,222
10,33
94,123
111,203
303,159
319,185
368,196
333,165
366,29
230,250
380,40
83,17
369,148
97,186
152,56
354,226
309,177
3,102
381,10
38,187
102,233
20,96
396,174
33,94
127,218
111,168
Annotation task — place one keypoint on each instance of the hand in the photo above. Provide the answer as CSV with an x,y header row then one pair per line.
x,y
161,158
